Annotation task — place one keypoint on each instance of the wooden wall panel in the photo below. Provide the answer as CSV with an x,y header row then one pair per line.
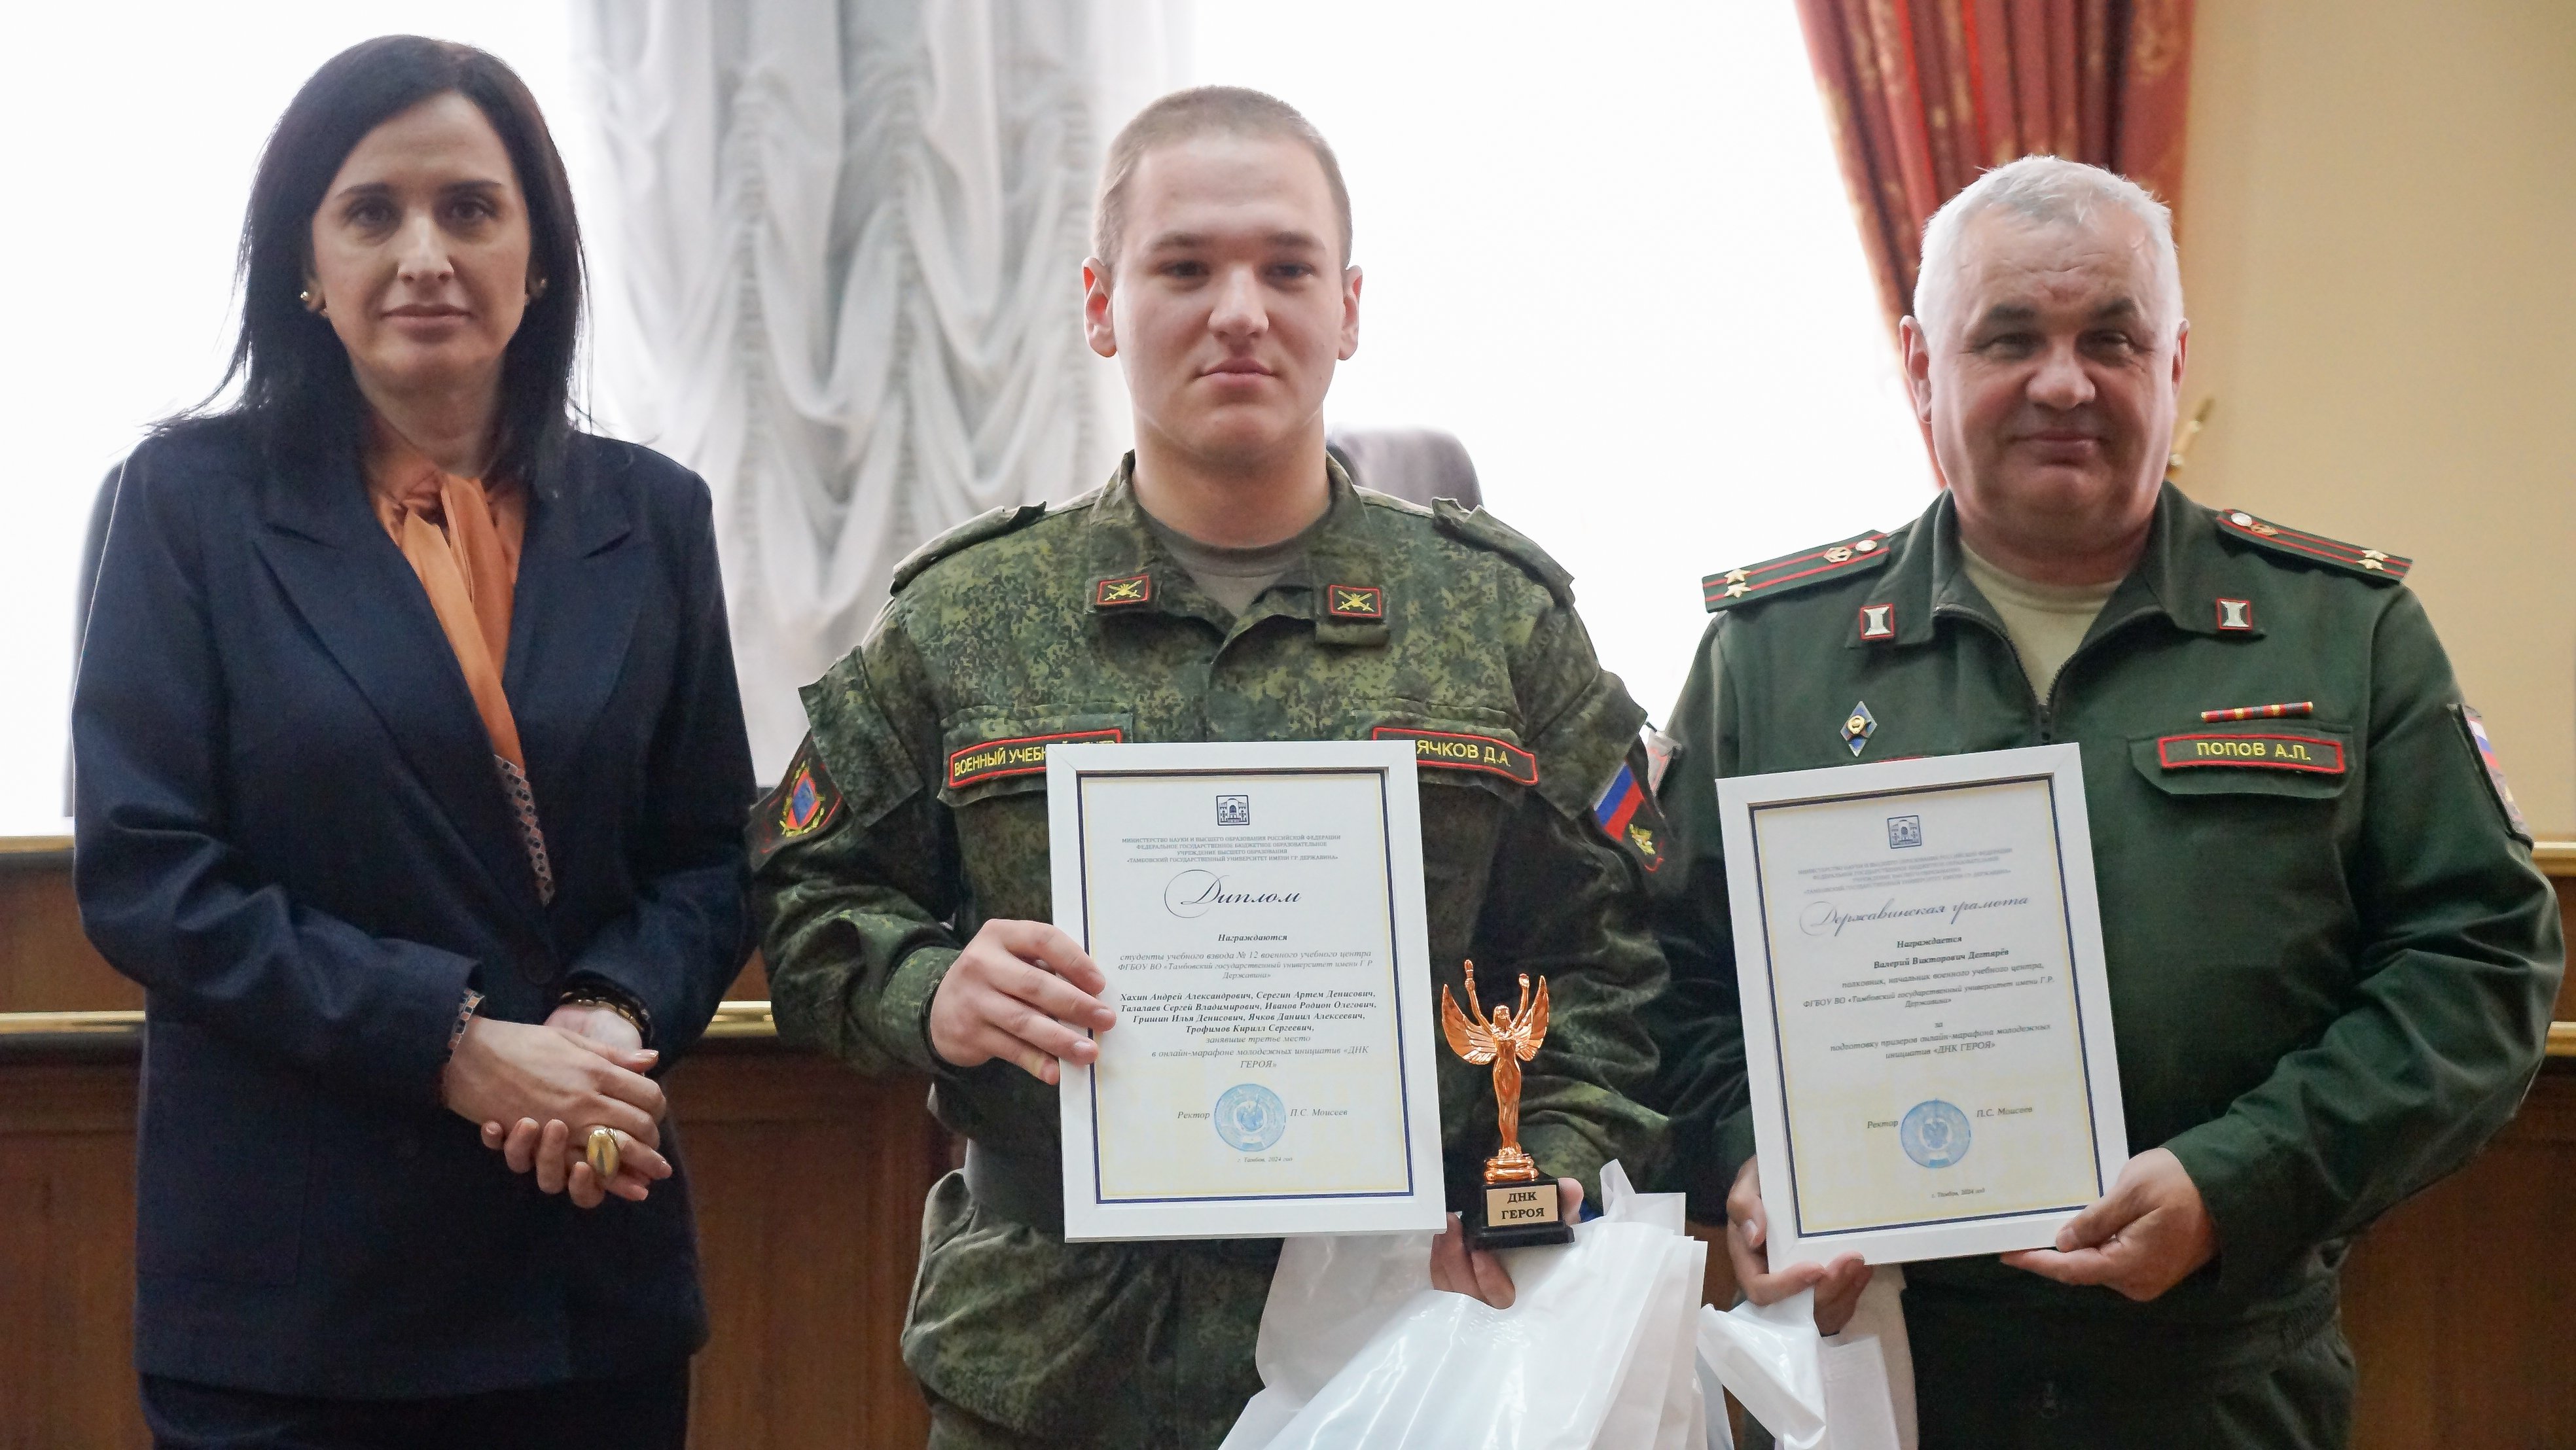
x,y
809,1187
46,965
66,1257
809,1183
2457,1303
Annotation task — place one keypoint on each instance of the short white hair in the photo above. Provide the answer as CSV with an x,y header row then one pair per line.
x,y
2049,190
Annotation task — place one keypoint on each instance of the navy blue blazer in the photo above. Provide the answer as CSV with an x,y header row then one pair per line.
x,y
291,832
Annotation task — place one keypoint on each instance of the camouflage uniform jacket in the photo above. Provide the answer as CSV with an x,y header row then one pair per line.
x,y
2331,958
921,813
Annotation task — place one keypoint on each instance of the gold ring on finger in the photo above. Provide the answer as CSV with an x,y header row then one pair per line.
x,y
602,1150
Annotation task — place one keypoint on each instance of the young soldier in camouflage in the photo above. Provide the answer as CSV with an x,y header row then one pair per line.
x,y
1227,584
2331,959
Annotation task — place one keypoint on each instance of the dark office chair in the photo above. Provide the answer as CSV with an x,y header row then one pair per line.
x,y
1414,464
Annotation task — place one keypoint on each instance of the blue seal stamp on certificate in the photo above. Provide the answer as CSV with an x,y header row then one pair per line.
x,y
1250,1118
1934,1134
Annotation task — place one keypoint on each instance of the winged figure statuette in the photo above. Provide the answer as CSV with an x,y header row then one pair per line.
x,y
1507,1039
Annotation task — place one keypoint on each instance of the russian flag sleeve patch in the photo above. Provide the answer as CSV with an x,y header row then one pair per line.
x,y
2483,748
1626,812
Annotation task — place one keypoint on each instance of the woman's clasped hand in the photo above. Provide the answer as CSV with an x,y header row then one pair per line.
x,y
539,1090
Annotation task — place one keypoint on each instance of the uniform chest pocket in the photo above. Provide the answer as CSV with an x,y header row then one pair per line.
x,y
992,753
2302,761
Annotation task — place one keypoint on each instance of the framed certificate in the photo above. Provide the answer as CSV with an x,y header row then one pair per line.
x,y
1258,911
1927,1024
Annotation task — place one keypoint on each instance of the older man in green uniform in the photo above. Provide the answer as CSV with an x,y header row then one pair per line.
x,y
1227,584
2331,959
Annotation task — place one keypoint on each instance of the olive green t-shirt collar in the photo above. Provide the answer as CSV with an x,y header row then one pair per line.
x,y
2179,573
1132,573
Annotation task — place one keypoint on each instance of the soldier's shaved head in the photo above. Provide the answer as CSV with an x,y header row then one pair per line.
x,y
1205,110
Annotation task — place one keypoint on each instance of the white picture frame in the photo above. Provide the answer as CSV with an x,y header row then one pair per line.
x,y
1877,986
1160,1139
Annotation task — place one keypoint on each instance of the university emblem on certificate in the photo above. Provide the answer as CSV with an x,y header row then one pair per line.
x,y
1258,911
1927,1012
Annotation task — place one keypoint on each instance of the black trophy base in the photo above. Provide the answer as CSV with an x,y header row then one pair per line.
x,y
1519,1216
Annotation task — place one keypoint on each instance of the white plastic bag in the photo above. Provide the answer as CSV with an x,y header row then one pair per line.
x,y
1847,1391
1657,1405
1357,1349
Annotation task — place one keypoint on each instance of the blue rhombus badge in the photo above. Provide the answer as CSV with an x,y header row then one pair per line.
x,y
1859,726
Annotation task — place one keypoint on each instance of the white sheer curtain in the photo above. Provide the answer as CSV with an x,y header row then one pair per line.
x,y
840,278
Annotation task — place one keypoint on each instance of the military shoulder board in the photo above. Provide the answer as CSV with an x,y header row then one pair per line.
x,y
1477,527
2300,544
989,525
1794,571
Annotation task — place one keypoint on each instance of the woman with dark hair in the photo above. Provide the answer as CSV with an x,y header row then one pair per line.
x,y
411,778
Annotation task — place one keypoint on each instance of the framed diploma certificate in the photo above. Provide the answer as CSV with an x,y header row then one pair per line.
x,y
1927,1026
1258,911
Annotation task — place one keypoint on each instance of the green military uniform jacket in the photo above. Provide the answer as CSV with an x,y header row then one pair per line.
x,y
918,811
2331,959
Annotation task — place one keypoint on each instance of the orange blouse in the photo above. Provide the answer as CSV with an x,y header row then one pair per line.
x,y
462,537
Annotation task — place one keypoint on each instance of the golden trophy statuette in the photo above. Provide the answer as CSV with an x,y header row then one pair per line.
x,y
1522,1206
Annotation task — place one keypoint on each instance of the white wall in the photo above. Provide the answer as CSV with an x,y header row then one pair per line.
x,y
1614,257
133,131
1609,248
2377,230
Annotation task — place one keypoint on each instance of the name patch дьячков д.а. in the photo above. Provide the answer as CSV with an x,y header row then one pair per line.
x,y
1460,750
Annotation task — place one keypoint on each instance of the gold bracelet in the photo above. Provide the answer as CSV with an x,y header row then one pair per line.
x,y
592,997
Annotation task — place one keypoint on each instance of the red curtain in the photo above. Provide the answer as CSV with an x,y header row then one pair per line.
x,y
1922,95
